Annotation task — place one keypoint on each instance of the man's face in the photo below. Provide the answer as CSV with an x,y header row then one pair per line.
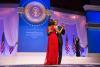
x,y
62,24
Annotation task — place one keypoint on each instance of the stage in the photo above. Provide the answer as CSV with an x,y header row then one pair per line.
x,y
38,59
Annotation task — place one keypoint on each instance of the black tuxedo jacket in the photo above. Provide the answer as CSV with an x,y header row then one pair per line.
x,y
59,35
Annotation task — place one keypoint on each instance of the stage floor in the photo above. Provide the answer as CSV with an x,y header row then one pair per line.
x,y
67,65
39,58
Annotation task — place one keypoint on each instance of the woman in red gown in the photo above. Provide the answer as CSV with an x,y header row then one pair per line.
x,y
52,50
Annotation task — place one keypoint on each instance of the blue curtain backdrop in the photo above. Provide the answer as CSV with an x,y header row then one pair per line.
x,y
32,37
93,17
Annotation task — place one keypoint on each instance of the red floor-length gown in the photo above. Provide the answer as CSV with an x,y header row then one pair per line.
x,y
52,50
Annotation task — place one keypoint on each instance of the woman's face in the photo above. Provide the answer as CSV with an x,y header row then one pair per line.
x,y
56,22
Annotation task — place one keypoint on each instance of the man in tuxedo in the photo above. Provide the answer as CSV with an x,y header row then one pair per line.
x,y
60,32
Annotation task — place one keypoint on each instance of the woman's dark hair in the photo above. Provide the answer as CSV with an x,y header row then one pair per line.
x,y
3,36
51,22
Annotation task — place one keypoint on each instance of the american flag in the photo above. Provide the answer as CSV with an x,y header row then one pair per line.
x,y
73,46
2,47
11,48
67,46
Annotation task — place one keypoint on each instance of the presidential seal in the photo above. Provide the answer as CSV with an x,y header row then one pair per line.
x,y
35,12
